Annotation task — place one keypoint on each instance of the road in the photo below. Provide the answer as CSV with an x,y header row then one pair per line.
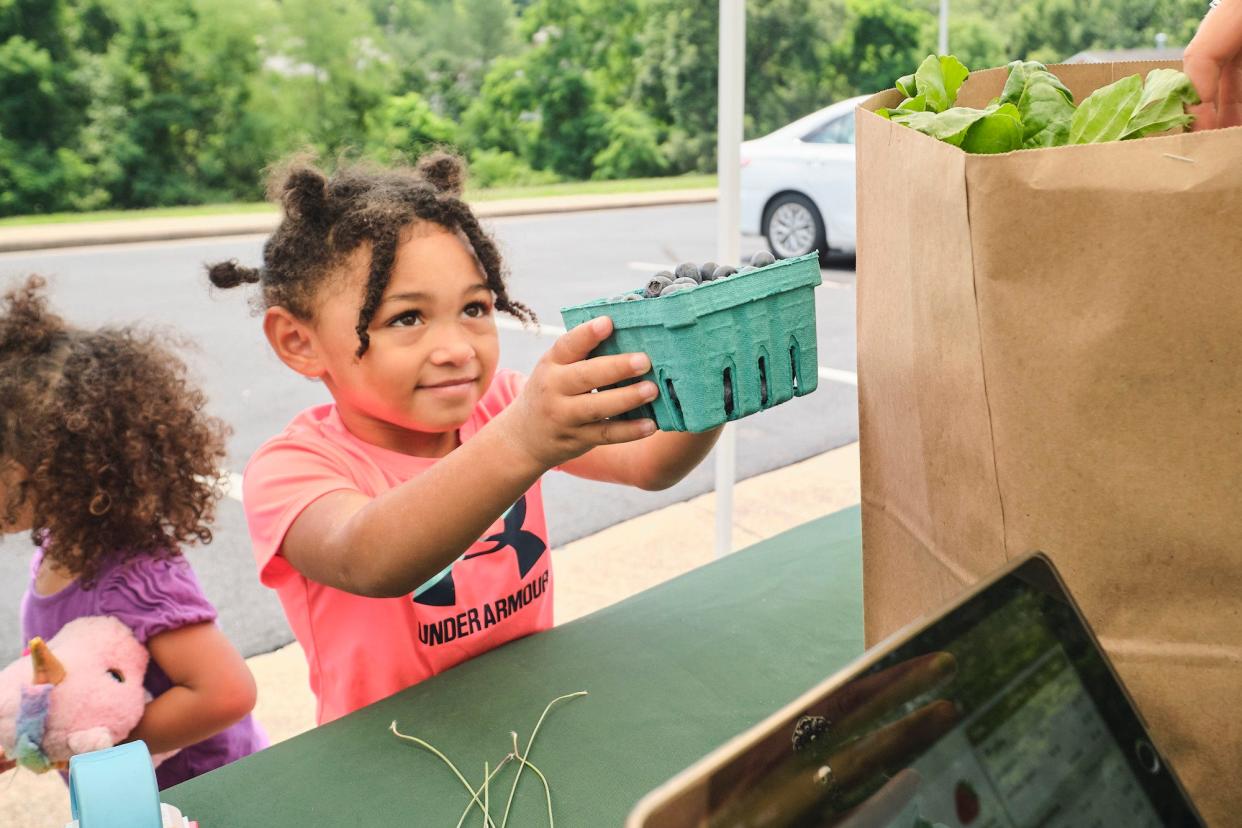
x,y
554,260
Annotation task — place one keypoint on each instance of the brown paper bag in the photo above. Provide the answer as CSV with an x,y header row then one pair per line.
x,y
1050,357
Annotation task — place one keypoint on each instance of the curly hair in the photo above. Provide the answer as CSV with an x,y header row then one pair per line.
x,y
327,218
121,459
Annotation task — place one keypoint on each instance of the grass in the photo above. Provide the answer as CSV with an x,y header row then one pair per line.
x,y
570,188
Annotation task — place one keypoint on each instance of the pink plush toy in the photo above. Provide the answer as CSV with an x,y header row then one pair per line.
x,y
81,691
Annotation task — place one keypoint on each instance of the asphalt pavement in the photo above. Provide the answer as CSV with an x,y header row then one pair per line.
x,y
554,261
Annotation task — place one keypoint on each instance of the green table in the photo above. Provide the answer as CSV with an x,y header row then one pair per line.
x,y
672,673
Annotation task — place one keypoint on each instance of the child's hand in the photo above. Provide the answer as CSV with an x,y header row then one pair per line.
x,y
557,417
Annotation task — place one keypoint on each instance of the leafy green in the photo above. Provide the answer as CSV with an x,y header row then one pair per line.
x,y
1163,105
937,80
997,128
999,131
1106,111
1045,105
1036,109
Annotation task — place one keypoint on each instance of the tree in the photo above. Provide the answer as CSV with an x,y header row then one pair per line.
x,y
170,118
404,127
543,105
1052,30
43,94
789,66
633,149
677,76
329,75
881,41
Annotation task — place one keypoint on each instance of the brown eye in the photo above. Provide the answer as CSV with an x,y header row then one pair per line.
x,y
117,676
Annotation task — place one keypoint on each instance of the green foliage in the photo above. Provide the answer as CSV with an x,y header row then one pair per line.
x,y
1053,30
633,149
404,127
1035,109
677,79
880,41
497,168
543,104
111,103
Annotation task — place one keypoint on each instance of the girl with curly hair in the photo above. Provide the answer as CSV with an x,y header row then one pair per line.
x,y
402,525
109,460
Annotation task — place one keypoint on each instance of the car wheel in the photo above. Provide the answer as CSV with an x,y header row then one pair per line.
x,y
793,226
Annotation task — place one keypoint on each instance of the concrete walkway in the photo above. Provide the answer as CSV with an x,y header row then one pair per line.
x,y
591,573
45,236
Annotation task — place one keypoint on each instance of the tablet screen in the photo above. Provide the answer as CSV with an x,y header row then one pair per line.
x,y
1032,748
1000,714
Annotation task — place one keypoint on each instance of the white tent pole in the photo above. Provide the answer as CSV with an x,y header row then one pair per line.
x,y
730,100
944,27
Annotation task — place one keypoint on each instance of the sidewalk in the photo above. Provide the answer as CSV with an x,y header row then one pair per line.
x,y
44,236
591,573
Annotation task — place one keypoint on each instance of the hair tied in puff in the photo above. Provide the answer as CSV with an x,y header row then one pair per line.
x,y
444,171
230,274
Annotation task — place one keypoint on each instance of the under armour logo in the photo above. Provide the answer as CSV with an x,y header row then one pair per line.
x,y
440,591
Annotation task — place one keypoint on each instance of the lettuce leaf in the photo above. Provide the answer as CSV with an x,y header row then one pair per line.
x,y
998,128
1106,111
937,81
1036,109
1163,104
1044,103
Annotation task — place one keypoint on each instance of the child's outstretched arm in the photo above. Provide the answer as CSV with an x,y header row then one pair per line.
x,y
390,545
653,464
212,688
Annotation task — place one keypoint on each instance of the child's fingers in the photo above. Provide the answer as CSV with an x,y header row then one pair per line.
x,y
590,408
589,374
618,431
574,345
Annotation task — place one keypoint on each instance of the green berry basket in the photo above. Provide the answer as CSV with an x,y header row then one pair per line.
x,y
722,350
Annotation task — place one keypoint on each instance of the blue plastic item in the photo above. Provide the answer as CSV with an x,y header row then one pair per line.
x,y
115,788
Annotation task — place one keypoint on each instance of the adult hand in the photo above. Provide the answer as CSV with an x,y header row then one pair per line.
x,y
1213,61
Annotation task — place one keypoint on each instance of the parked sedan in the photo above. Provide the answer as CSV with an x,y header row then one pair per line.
x,y
797,187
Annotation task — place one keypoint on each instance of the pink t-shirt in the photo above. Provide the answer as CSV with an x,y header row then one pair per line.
x,y
363,649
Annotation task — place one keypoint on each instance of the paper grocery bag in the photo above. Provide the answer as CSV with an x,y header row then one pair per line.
x,y
1050,357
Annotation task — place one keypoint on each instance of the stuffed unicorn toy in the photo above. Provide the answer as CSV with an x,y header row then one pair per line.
x,y
79,692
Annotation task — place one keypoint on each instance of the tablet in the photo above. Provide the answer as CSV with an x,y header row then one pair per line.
x,y
1001,711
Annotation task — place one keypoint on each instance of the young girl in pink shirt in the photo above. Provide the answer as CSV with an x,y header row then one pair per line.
x,y
402,525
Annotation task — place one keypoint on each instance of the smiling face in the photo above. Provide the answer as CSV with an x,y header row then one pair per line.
x,y
433,344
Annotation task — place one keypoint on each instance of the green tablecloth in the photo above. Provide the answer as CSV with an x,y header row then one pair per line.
x,y
672,673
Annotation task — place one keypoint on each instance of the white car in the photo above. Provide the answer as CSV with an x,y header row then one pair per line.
x,y
797,187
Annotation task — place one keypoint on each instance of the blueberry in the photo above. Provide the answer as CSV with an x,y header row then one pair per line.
x,y
630,297
675,287
746,268
687,270
706,271
762,259
723,272
685,280
658,283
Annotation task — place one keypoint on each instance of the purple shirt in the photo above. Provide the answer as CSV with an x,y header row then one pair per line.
x,y
150,596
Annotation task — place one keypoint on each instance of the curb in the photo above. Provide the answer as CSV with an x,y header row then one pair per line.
x,y
50,236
